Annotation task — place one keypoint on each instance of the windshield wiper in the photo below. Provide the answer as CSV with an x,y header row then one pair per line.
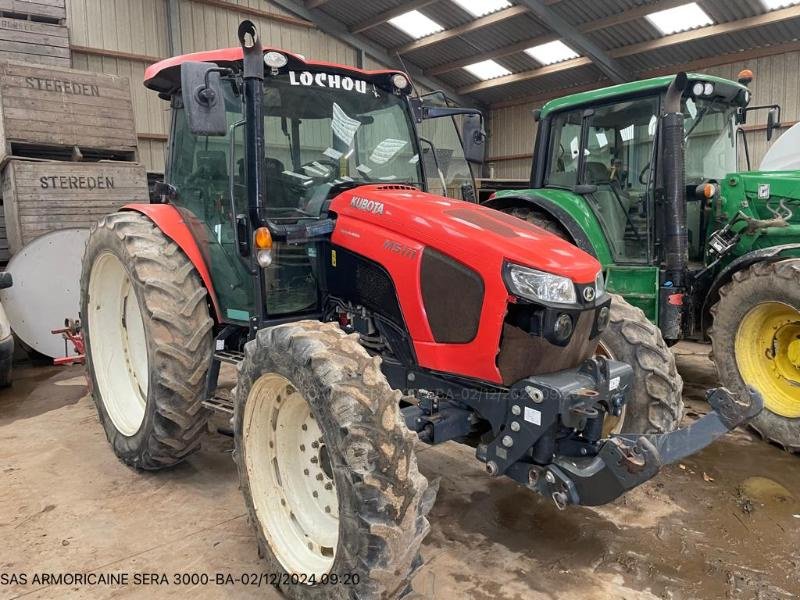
x,y
700,116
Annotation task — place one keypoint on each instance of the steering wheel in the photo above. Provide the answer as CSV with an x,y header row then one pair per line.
x,y
641,175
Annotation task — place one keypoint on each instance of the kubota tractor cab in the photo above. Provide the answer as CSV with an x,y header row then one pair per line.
x,y
296,241
644,176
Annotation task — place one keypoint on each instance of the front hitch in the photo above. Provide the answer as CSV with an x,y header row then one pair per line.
x,y
628,460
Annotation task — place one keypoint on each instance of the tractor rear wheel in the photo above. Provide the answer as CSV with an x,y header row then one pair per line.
x,y
655,404
148,341
327,465
756,340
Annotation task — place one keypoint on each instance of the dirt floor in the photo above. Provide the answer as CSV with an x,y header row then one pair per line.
x,y
724,524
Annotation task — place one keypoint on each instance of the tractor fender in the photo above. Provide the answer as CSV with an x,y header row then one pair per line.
x,y
771,254
567,221
167,218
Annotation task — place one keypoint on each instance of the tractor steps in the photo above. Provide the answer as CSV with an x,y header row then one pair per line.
x,y
221,404
232,357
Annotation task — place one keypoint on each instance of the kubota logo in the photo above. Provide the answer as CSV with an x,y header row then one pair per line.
x,y
376,208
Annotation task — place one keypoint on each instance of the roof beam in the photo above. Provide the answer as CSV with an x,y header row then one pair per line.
x,y
479,23
391,13
338,30
613,69
525,75
499,53
775,16
312,4
625,17
695,65
692,35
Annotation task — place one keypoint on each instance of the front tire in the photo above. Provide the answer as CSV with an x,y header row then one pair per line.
x,y
655,404
327,465
148,341
756,340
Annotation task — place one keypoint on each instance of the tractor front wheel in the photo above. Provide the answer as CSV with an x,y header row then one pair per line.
x,y
327,465
756,341
148,340
655,404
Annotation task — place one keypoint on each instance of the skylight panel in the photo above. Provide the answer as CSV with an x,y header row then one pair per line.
x,y
774,4
552,52
415,24
681,18
487,69
478,8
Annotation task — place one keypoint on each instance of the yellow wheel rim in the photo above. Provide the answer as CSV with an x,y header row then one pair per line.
x,y
768,355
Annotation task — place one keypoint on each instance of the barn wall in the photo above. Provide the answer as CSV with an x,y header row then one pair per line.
x,y
512,129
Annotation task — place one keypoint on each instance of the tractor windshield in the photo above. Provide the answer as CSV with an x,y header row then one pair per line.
x,y
710,139
325,131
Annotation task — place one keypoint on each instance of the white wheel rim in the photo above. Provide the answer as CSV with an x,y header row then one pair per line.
x,y
119,346
290,478
604,350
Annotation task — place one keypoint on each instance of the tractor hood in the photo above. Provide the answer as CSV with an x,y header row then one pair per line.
x,y
467,232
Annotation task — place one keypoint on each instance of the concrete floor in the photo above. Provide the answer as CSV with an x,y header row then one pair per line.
x,y
724,524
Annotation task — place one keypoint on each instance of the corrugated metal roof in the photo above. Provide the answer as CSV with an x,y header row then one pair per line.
x,y
579,13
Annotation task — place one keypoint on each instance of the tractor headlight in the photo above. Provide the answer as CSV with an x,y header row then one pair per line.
x,y
538,285
599,285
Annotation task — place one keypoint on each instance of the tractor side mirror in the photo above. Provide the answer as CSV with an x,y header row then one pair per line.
x,y
201,89
474,139
773,121
5,280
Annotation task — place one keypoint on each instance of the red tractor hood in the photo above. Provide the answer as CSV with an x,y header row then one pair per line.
x,y
467,232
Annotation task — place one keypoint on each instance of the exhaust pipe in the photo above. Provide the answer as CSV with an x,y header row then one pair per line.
x,y
253,72
676,240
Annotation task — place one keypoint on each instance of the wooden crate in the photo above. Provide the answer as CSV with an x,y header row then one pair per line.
x,y
42,196
33,42
45,112
49,11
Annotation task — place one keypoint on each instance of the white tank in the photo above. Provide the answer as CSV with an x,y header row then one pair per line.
x,y
46,290
784,154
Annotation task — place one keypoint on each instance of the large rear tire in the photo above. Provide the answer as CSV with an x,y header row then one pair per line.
x,y
148,341
655,404
327,465
756,340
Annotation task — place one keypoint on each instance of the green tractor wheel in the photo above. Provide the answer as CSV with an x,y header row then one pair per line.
x,y
756,341
655,405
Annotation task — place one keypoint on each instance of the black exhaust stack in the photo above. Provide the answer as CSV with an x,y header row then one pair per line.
x,y
676,237
253,73
254,152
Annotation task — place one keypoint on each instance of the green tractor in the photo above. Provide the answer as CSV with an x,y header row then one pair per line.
x,y
644,176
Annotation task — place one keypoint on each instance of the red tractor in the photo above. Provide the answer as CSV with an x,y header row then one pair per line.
x,y
296,241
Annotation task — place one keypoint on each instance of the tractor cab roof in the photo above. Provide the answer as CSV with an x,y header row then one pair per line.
x,y
165,76
731,91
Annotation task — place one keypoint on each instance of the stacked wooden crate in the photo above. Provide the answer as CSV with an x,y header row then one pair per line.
x,y
68,145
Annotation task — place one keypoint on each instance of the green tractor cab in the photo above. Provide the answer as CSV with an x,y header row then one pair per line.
x,y
644,175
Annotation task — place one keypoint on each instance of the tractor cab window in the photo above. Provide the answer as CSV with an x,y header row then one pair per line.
x,y
564,150
617,153
322,135
710,153
326,133
619,148
710,127
447,171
